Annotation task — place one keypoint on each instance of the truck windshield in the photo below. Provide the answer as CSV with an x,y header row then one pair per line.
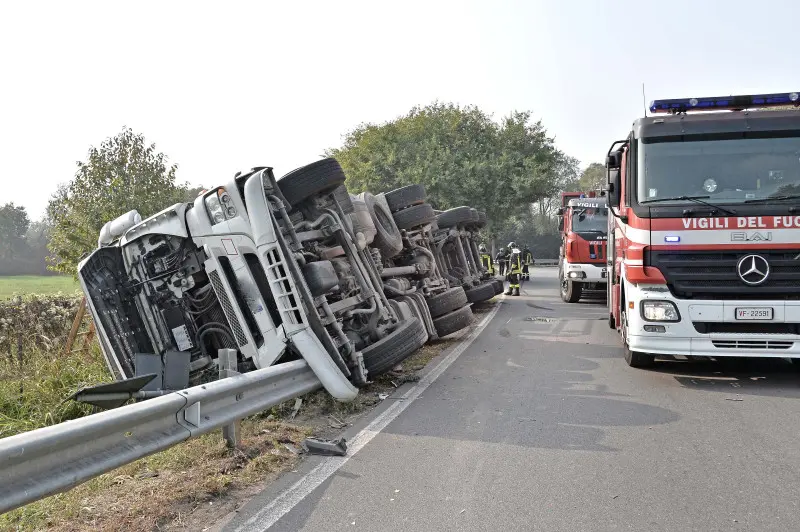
x,y
725,171
589,219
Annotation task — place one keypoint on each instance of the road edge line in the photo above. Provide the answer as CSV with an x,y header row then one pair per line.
x,y
292,496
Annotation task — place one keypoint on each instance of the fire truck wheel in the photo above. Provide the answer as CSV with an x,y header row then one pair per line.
x,y
404,197
392,349
612,323
571,291
635,359
454,321
415,216
448,301
315,178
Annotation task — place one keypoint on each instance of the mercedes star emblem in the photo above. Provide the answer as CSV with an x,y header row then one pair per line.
x,y
753,269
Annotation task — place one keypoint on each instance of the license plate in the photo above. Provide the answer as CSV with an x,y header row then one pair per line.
x,y
754,313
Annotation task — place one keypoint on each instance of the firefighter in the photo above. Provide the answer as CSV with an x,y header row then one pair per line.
x,y
527,260
514,269
501,261
486,259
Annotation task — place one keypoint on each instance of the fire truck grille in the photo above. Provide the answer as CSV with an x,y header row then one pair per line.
x,y
714,275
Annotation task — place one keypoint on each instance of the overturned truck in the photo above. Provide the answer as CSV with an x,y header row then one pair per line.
x,y
276,270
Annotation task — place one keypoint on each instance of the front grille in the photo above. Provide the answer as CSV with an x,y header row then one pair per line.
x,y
752,344
711,327
225,301
713,275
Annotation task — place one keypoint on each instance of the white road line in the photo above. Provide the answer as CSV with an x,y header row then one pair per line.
x,y
286,501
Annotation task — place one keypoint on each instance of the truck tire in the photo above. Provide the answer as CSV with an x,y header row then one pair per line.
x,y
453,321
635,359
570,291
387,236
315,178
481,292
404,197
498,286
454,216
415,216
483,219
447,301
393,348
343,198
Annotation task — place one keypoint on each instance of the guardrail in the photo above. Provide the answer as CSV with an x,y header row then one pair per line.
x,y
46,461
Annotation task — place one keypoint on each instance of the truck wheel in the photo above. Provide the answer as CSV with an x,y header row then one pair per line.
x,y
343,198
570,291
612,323
453,321
635,359
448,301
498,286
393,348
404,197
482,219
481,292
387,236
454,216
315,178
414,216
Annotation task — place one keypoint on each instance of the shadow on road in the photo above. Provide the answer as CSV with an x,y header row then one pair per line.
x,y
748,376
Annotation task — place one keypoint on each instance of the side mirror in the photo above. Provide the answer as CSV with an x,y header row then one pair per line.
x,y
561,224
614,159
614,187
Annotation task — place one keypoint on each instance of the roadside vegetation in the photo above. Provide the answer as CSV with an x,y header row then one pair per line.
x,y
11,285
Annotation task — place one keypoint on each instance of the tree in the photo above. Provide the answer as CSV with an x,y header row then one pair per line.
x,y
593,177
14,223
462,157
123,174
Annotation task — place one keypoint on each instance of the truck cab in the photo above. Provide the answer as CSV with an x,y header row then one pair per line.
x,y
582,255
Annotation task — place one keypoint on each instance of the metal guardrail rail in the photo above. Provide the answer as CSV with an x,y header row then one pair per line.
x,y
46,461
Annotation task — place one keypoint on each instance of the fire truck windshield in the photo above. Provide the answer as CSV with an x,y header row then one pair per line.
x,y
725,171
586,220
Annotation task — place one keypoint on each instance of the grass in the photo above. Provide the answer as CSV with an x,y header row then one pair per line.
x,y
36,284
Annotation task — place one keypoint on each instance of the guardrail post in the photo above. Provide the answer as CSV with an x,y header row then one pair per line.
x,y
228,366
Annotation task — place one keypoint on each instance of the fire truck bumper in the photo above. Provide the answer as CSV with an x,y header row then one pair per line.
x,y
585,273
711,328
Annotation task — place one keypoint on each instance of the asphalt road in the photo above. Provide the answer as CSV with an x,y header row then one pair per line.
x,y
540,425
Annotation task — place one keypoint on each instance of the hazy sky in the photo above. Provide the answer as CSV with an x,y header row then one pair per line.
x,y
223,86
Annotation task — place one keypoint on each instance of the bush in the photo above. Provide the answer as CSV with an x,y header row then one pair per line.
x,y
35,381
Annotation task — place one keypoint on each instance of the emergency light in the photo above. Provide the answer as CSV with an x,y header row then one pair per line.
x,y
682,105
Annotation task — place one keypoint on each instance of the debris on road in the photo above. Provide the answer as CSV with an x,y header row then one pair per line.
x,y
326,447
737,398
383,396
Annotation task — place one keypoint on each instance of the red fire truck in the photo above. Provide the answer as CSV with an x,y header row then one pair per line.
x,y
582,256
704,229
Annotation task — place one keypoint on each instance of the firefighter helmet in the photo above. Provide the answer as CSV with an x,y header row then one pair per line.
x,y
512,245
482,248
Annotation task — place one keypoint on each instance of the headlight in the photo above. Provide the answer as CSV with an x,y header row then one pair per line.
x,y
220,206
660,311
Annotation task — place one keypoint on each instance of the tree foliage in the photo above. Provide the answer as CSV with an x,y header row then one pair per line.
x,y
593,177
462,157
14,223
123,174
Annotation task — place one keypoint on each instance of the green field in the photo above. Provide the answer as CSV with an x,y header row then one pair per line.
x,y
36,284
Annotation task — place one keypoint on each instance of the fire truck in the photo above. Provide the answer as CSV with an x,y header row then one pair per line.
x,y
704,229
583,224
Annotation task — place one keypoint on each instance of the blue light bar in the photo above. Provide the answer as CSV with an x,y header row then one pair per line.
x,y
672,239
725,103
